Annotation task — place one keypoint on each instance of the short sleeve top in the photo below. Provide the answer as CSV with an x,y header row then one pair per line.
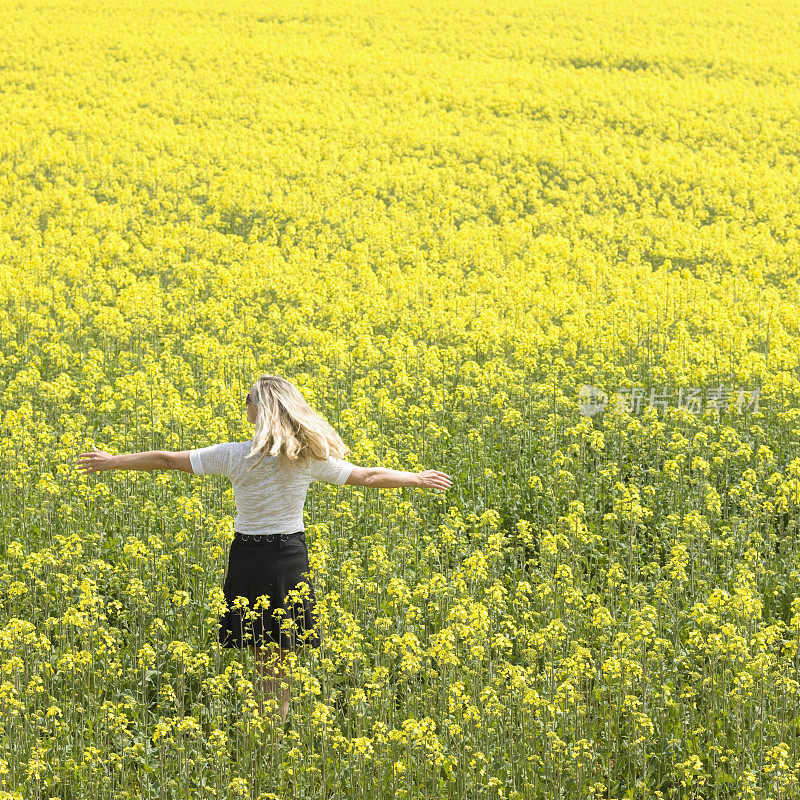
x,y
270,496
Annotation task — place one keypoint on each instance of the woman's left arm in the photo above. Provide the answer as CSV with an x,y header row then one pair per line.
x,y
99,461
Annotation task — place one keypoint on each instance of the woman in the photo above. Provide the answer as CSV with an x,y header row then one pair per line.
x,y
268,559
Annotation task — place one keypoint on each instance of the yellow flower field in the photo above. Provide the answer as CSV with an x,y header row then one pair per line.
x,y
440,221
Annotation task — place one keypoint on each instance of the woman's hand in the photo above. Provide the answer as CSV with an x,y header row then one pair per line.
x,y
96,461
432,479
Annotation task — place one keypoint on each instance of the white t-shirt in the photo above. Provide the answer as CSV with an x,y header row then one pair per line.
x,y
269,497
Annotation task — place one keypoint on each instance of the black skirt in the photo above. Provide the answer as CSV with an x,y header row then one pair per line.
x,y
273,579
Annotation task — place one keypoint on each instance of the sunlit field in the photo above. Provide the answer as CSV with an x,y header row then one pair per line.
x,y
440,221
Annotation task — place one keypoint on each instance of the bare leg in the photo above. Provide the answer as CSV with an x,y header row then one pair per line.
x,y
275,677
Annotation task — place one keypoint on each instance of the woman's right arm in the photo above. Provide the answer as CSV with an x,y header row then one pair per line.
x,y
384,478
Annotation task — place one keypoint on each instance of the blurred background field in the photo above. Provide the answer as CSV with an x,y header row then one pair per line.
x,y
440,221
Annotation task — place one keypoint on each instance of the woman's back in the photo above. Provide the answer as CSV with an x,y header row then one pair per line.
x,y
270,496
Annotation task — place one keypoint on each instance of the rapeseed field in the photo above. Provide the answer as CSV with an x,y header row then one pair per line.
x,y
447,223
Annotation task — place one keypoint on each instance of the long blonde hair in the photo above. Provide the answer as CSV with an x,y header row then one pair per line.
x,y
288,427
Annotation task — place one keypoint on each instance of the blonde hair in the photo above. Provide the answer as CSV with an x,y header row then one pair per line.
x,y
288,427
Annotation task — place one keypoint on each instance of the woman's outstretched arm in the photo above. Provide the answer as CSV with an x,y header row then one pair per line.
x,y
384,478
100,461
